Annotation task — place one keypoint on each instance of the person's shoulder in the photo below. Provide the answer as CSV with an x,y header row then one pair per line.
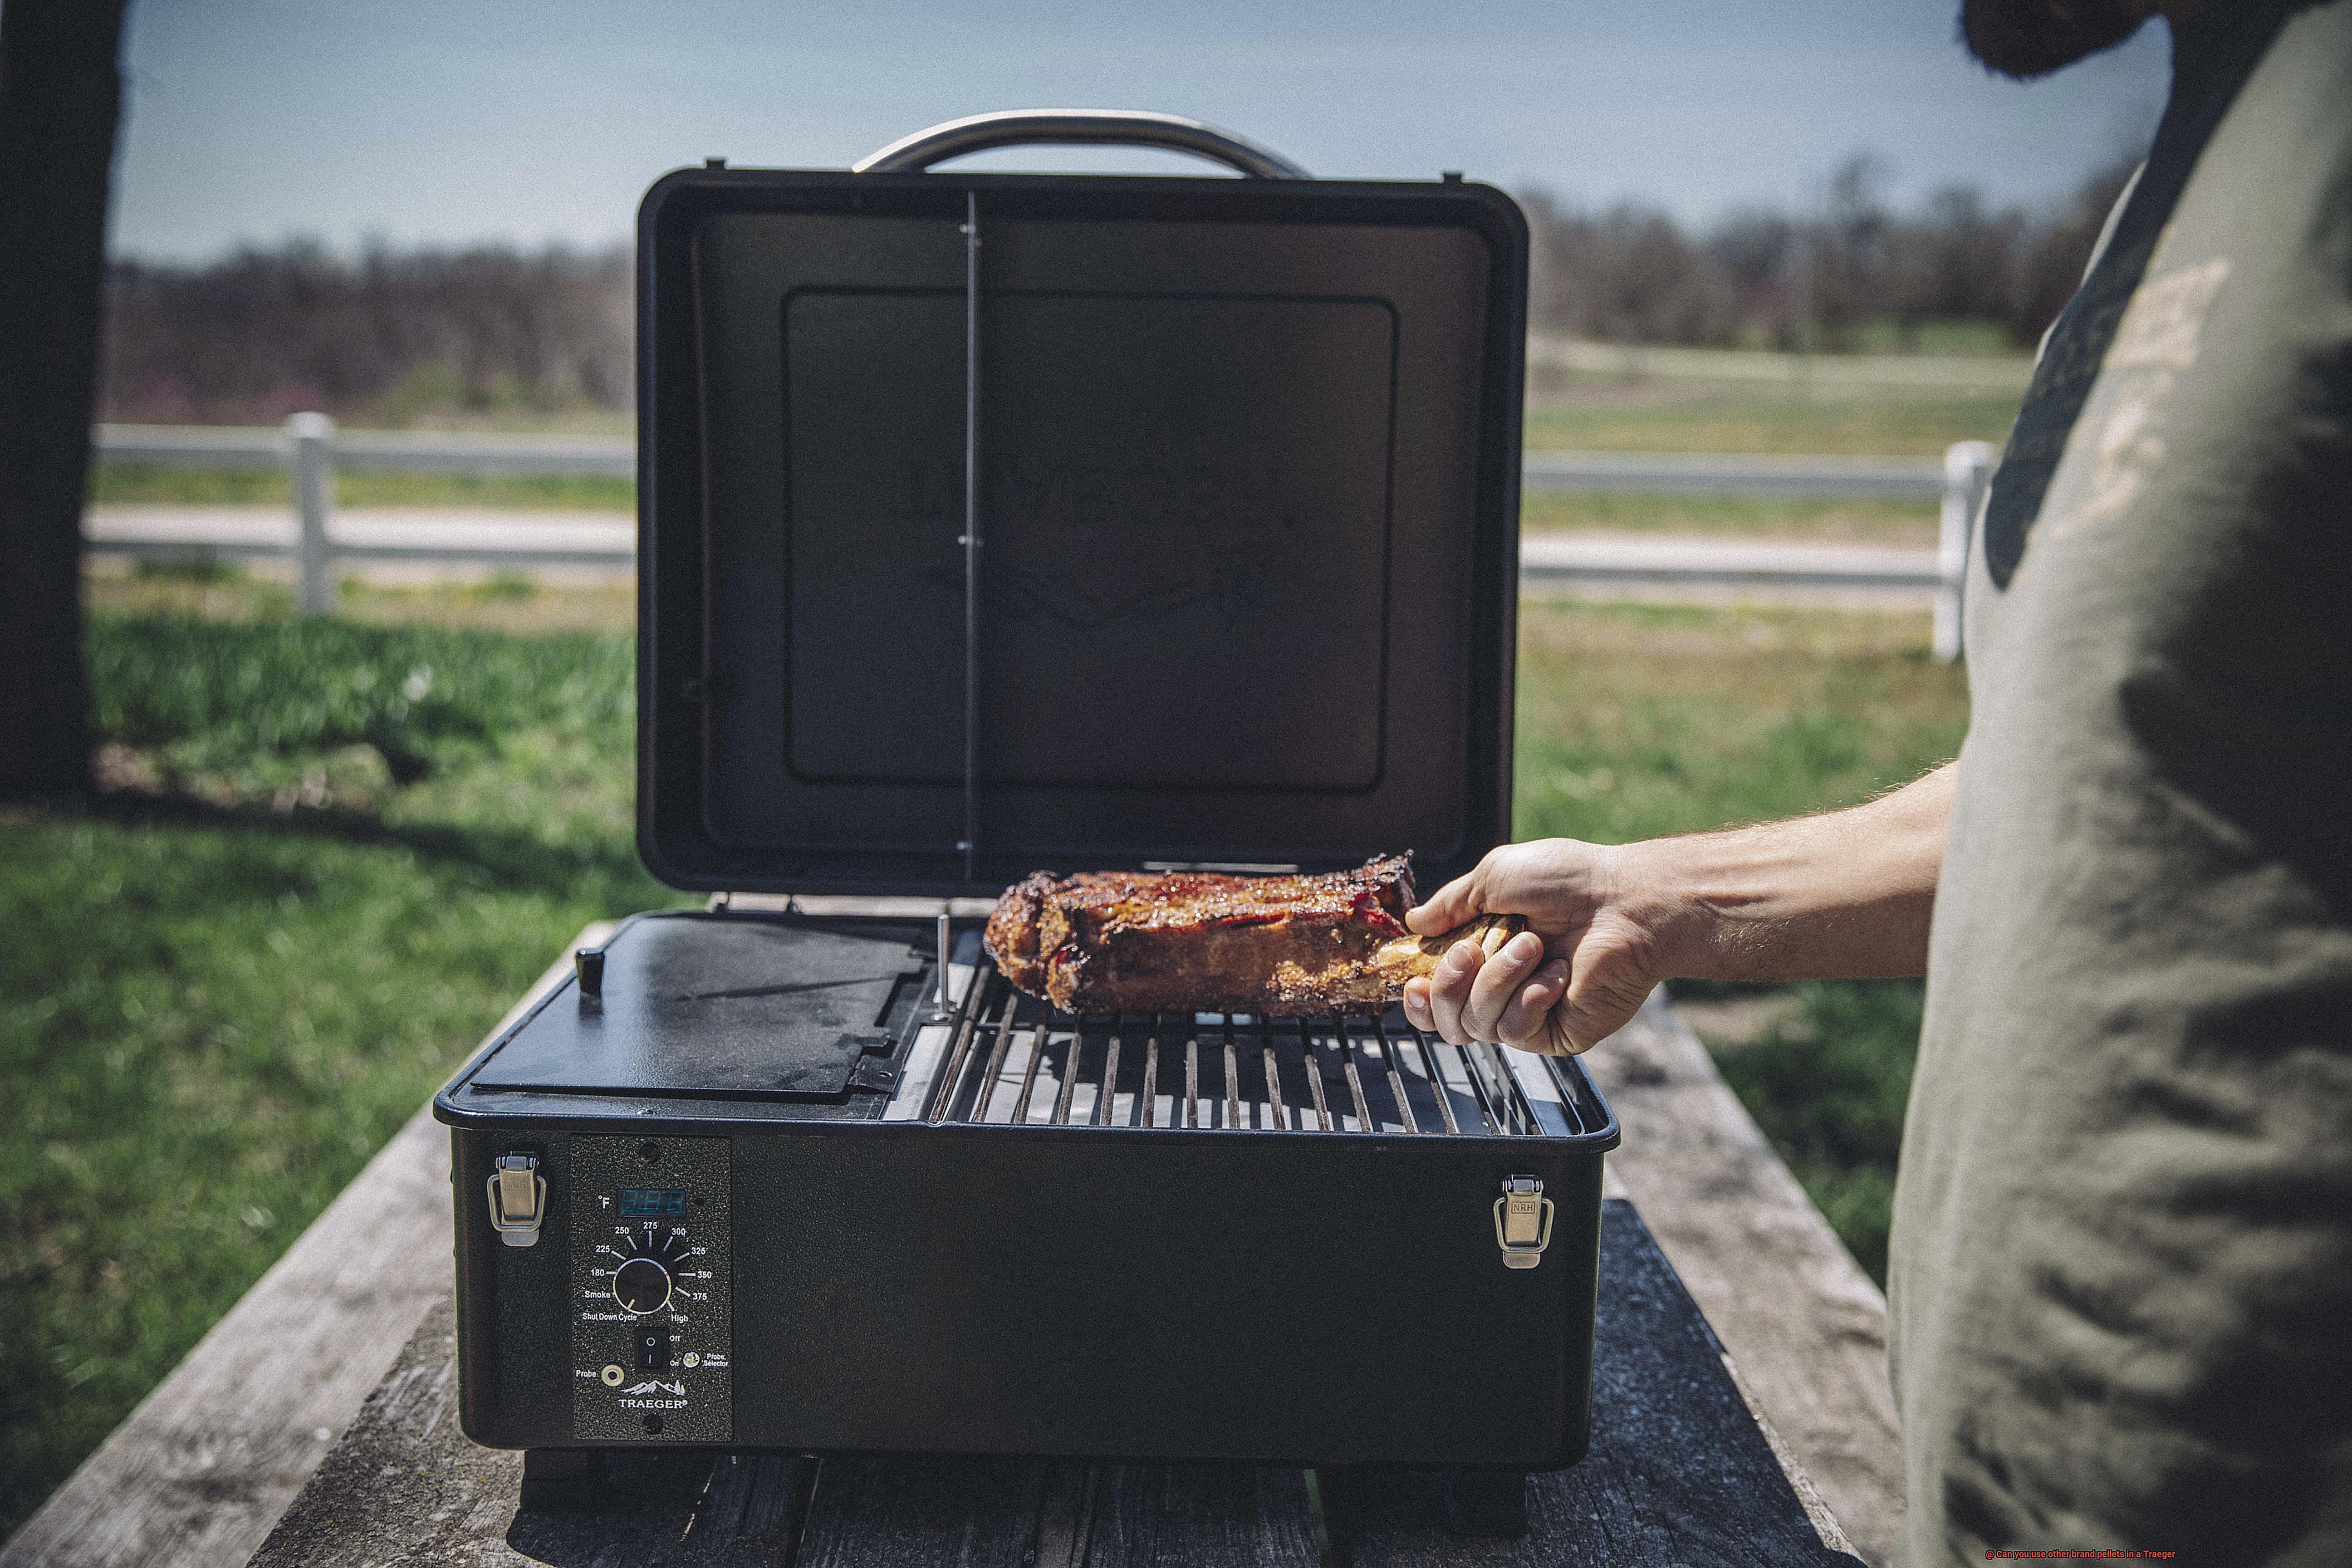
x,y
2266,218
2298,98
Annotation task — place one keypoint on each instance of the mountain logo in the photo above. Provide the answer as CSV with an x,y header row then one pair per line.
x,y
655,1386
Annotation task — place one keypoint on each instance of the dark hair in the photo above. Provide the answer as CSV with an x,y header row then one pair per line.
x,y
2024,38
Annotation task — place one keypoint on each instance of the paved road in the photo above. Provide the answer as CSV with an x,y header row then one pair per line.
x,y
406,541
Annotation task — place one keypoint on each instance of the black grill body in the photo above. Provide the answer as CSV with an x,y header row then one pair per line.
x,y
996,522
880,1251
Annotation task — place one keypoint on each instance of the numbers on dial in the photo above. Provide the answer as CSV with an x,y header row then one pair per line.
x,y
641,1284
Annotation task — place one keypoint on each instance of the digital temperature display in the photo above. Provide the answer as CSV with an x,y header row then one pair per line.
x,y
649,1202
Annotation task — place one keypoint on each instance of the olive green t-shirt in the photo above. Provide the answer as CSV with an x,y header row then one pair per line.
x,y
2121,1277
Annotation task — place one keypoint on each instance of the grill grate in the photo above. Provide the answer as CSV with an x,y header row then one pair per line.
x,y
1012,1061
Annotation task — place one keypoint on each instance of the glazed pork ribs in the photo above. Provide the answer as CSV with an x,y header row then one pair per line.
x,y
1140,942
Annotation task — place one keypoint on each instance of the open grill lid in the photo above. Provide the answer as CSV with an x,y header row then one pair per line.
x,y
1233,578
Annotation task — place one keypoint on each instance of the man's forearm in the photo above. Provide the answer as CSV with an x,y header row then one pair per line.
x,y
1842,895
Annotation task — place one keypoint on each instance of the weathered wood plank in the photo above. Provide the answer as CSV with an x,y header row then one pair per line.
x,y
899,1512
1153,1516
1805,1327
1679,1473
406,1487
200,1470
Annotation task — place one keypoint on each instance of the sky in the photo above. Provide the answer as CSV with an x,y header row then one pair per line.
x,y
524,122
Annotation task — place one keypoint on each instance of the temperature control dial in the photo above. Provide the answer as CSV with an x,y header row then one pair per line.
x,y
642,1281
641,1285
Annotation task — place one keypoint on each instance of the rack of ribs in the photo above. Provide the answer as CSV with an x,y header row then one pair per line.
x,y
1141,941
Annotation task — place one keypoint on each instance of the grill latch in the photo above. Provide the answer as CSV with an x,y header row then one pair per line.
x,y
1522,1221
518,1199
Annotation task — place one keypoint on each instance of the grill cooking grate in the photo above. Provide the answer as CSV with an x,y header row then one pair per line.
x,y
1012,1061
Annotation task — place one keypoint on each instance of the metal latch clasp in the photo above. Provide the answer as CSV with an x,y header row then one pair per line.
x,y
1522,1221
518,1199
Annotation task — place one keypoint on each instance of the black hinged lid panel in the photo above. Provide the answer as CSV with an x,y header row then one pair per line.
x,y
1247,456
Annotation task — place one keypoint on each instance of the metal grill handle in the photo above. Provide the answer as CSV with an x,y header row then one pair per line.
x,y
1088,127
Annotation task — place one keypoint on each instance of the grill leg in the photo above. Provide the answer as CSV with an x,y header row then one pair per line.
x,y
1491,1503
559,1481
612,1480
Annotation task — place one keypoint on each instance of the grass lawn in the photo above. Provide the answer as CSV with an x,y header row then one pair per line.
x,y
1639,720
1589,413
119,483
355,845
337,850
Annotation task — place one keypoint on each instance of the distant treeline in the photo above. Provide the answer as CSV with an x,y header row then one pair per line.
x,y
384,338
389,337
1766,280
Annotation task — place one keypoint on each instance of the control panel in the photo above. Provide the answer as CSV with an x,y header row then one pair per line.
x,y
652,1345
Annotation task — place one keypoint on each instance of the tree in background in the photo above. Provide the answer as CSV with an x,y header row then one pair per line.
x,y
2050,263
1764,278
389,337
264,333
60,98
1848,257
1627,274
1756,251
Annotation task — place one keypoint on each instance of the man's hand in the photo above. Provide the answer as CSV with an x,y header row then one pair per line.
x,y
1570,980
1843,895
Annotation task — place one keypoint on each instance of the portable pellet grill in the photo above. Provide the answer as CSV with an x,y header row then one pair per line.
x,y
997,522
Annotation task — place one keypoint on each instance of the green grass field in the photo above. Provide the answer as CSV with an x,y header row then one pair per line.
x,y
1594,412
1638,720
126,483
1828,1084
357,844
338,851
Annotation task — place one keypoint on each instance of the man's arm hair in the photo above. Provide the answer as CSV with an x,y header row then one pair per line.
x,y
1842,895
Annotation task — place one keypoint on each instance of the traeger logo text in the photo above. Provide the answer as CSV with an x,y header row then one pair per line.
x,y
631,1397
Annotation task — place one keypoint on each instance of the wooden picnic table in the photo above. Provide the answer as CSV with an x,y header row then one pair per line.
x,y
1679,1473
283,1439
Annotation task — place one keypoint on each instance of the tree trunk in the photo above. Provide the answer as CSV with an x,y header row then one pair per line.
x,y
60,96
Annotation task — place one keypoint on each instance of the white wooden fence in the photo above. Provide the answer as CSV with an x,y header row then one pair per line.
x,y
310,446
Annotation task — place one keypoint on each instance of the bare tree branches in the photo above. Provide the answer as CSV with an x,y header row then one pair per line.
x,y
1767,279
393,336
262,334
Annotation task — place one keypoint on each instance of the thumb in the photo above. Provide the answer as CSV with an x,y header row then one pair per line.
x,y
1455,904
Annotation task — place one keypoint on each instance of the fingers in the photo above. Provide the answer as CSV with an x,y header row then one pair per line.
x,y
1558,1005
1416,1005
1496,985
1601,965
1590,1013
1527,1019
1611,974
1548,880
1452,905
1449,990
1472,993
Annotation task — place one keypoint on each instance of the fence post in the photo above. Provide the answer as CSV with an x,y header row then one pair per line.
x,y
1968,470
311,441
